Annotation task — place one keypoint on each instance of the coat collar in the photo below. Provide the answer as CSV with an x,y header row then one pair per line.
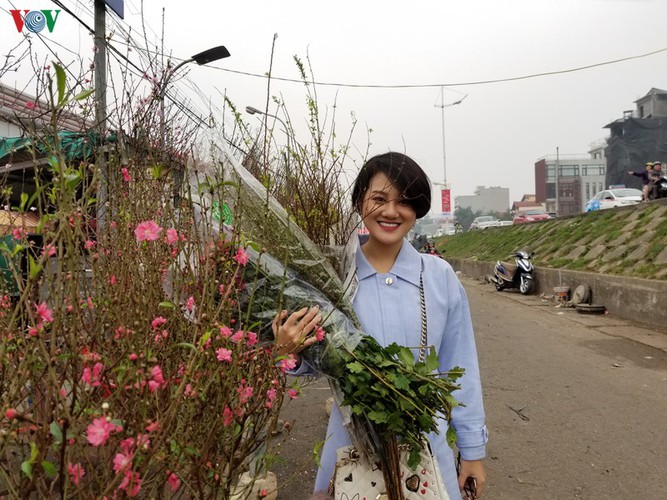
x,y
408,265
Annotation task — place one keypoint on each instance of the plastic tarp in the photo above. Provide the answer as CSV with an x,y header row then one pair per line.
x,y
75,146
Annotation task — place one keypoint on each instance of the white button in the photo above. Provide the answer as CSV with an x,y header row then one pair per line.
x,y
389,281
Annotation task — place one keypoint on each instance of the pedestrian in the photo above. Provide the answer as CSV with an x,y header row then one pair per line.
x,y
390,193
644,177
653,177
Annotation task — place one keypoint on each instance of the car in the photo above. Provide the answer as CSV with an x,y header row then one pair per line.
x,y
610,198
530,215
483,222
506,222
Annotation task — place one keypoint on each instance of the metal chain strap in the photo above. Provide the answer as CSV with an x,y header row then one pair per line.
x,y
424,339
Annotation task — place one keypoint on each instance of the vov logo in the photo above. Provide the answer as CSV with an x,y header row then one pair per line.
x,y
34,20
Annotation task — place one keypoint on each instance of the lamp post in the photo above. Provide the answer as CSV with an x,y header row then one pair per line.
x,y
442,106
208,56
205,57
254,111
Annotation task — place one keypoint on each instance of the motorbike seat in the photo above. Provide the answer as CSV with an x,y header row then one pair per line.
x,y
510,268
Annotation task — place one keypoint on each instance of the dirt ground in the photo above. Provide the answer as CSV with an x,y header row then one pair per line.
x,y
307,420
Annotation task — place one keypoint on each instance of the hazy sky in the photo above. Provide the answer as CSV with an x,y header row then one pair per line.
x,y
493,137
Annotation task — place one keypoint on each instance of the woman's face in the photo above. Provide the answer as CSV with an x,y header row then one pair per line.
x,y
386,215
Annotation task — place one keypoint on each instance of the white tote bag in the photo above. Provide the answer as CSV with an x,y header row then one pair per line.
x,y
356,479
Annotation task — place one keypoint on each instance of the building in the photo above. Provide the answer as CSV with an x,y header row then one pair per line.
x,y
20,111
579,178
486,200
527,201
639,136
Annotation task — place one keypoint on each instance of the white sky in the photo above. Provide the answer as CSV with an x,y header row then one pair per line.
x,y
493,138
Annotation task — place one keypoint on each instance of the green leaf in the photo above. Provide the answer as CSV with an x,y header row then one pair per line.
x,y
82,95
402,382
405,355
34,267
317,452
34,452
56,432
60,81
49,469
186,344
26,467
355,367
167,305
24,200
379,417
451,437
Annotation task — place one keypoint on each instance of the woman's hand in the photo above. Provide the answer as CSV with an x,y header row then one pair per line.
x,y
473,469
291,334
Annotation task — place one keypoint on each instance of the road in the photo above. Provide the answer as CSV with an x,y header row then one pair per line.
x,y
576,404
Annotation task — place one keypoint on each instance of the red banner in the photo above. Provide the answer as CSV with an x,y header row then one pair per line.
x,y
446,200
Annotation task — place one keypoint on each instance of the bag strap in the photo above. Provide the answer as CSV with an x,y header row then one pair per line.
x,y
424,336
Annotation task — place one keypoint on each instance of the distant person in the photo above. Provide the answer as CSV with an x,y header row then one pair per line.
x,y
653,177
644,177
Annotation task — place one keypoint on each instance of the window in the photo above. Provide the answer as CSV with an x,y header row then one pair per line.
x,y
588,191
592,170
551,190
568,171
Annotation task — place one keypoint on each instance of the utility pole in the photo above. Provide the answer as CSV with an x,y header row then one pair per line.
x,y
101,110
557,175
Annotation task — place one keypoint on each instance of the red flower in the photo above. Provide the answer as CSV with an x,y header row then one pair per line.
x,y
174,482
241,256
45,314
147,231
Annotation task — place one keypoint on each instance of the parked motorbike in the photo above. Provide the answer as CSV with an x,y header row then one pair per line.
x,y
521,276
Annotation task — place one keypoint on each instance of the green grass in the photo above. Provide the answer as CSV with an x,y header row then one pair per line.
x,y
552,241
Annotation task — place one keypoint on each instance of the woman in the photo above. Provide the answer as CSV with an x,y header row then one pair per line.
x,y
390,193
644,175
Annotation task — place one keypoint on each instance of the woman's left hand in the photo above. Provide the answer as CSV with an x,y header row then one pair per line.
x,y
473,469
292,333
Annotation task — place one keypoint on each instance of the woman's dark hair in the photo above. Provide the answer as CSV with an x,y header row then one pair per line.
x,y
404,173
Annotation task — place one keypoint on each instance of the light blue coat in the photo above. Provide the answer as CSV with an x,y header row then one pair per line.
x,y
388,308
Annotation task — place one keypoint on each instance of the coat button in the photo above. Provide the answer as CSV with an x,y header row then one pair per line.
x,y
389,281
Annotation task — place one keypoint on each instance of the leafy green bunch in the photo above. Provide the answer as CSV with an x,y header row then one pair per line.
x,y
396,394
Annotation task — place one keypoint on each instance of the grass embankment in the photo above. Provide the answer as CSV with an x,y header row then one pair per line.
x,y
629,241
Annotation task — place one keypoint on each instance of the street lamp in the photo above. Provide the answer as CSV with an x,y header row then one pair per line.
x,y
208,56
444,184
254,111
205,57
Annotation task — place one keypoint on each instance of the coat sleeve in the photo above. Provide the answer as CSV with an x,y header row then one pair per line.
x,y
458,349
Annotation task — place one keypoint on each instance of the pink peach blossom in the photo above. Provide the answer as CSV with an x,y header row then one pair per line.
x,y
320,334
224,355
251,338
156,379
122,461
147,231
173,481
227,416
126,174
238,336
11,413
226,332
99,431
157,322
293,393
288,363
76,472
172,236
45,314
241,256
131,483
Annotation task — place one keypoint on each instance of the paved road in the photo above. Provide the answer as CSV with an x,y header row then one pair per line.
x,y
576,404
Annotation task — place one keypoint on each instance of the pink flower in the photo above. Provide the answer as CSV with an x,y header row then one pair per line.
x,y
225,332
157,322
126,174
112,279
288,363
30,105
92,377
263,493
251,338
153,427
241,256
238,336
156,379
172,236
131,483
320,334
292,393
133,356
270,397
19,233
190,305
122,461
174,482
227,416
99,431
76,472
45,314
224,355
245,393
11,413
89,244
49,250
147,231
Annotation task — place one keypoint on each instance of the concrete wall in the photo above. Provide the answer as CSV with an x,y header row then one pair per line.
x,y
635,299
